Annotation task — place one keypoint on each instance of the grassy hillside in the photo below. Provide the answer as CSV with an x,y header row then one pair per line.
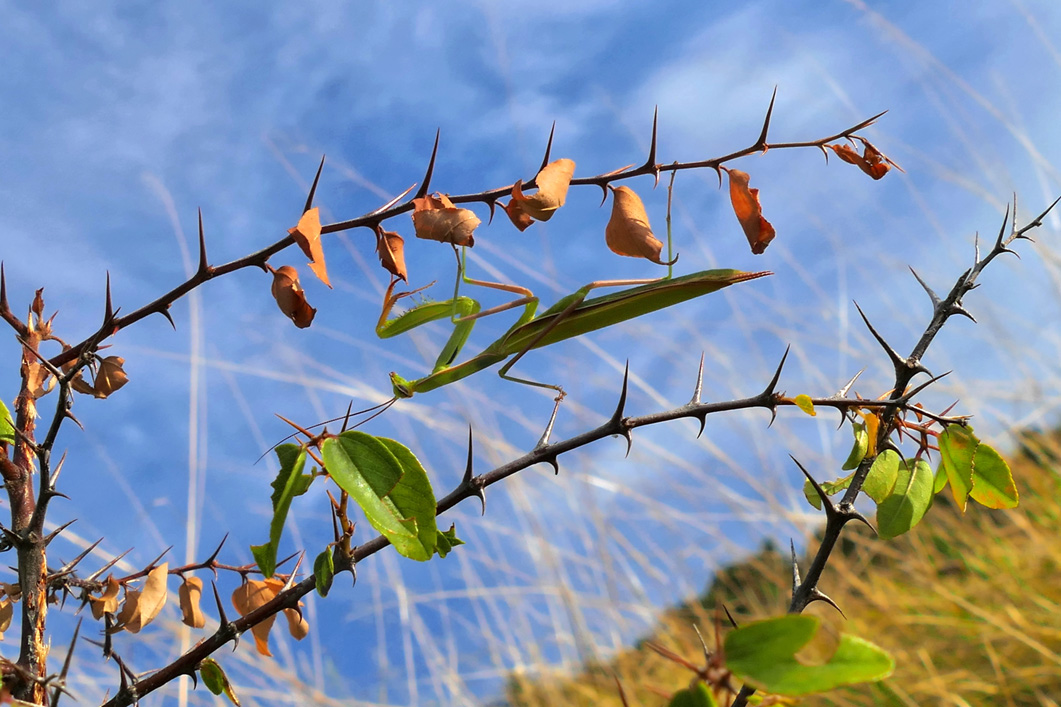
x,y
969,606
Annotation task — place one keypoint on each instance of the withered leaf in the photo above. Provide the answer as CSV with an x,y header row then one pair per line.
x,y
872,161
190,592
141,607
628,231
110,376
391,250
249,596
519,218
287,291
553,181
106,603
435,218
749,212
308,236
12,590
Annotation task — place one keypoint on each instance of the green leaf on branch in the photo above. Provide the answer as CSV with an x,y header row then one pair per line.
x,y
392,488
446,541
882,475
288,484
941,480
981,471
859,448
763,654
910,498
957,447
216,681
829,487
699,695
804,403
324,572
7,427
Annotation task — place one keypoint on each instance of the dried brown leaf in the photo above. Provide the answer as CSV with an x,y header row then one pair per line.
x,y
106,603
7,610
435,218
287,291
391,250
308,236
871,161
141,607
749,212
297,625
110,377
189,594
517,216
251,595
628,231
12,590
553,181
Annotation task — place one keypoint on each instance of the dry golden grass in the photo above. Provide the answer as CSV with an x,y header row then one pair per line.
x,y
969,606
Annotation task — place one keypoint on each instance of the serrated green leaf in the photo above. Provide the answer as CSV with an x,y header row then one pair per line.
x,y
804,403
957,448
830,488
324,572
216,681
859,448
446,541
699,695
7,427
992,480
882,475
763,654
289,483
910,498
392,488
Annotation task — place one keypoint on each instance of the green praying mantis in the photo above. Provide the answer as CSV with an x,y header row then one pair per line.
x,y
571,316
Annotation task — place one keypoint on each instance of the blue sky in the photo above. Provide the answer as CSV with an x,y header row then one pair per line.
x,y
120,120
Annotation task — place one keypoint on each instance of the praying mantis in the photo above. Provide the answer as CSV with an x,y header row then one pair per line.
x,y
569,317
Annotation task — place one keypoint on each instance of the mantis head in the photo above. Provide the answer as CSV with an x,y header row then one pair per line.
x,y
402,388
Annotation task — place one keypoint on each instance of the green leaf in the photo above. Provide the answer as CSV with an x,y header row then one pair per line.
x,y
829,487
390,485
992,480
7,427
216,681
803,402
909,500
957,448
859,448
290,482
699,695
763,654
882,475
446,541
941,480
324,571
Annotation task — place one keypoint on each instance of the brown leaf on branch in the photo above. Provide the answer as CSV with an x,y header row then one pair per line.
x,y
141,607
517,216
749,212
871,161
297,625
256,593
7,610
391,250
308,236
553,181
287,291
106,603
78,382
110,376
628,231
435,218
189,594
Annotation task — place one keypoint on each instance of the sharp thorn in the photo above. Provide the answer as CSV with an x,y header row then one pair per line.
x,y
796,581
59,690
846,387
1002,232
55,533
897,360
204,266
422,191
469,477
3,288
771,387
548,148
698,388
976,249
703,644
163,554
165,313
108,313
386,206
604,196
931,295
313,187
493,207
729,616
818,595
761,142
221,617
650,162
703,424
111,563
848,512
910,395
616,421
70,416
69,566
827,503
215,553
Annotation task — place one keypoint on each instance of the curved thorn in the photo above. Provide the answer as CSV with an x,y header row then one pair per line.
x,y
164,311
221,617
729,616
698,388
761,142
215,553
548,147
931,295
616,420
469,478
796,581
718,172
204,266
827,503
313,187
604,197
493,207
422,192
897,360
848,512
818,595
703,423
108,313
824,152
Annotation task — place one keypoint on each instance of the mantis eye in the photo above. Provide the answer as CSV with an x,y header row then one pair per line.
x,y
401,386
